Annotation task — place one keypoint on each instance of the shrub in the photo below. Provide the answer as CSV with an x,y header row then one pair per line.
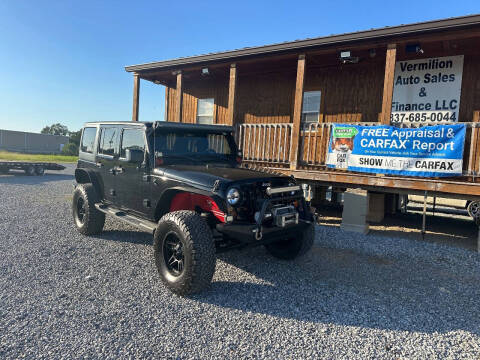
x,y
70,149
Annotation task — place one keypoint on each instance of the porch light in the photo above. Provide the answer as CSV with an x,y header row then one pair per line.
x,y
414,48
346,57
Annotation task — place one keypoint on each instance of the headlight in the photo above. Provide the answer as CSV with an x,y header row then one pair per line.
x,y
233,196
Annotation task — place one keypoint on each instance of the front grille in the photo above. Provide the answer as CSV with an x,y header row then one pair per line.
x,y
255,194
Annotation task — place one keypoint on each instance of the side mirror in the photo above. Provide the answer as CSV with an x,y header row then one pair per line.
x,y
134,155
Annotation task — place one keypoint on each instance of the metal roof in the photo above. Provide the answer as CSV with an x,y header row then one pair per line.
x,y
291,46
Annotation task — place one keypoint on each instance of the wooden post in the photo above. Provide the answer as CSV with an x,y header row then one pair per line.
x,y
388,83
476,116
179,95
167,94
297,112
232,87
136,96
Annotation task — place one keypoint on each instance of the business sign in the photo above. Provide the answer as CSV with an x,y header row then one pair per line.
x,y
428,151
427,90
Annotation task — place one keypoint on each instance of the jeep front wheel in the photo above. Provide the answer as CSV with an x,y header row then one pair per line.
x,y
184,252
88,219
294,246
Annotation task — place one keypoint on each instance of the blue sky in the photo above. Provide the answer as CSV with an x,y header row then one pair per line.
x,y
63,61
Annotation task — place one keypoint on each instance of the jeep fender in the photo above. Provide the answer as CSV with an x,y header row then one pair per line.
x,y
85,176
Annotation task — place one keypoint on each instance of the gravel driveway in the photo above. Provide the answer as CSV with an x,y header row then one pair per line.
x,y
64,295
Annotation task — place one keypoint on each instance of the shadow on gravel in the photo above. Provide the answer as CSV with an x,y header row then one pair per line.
x,y
132,237
20,178
341,286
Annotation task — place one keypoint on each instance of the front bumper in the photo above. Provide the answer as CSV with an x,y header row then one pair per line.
x,y
249,233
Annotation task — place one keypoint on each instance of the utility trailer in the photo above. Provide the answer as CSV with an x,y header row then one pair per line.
x,y
30,168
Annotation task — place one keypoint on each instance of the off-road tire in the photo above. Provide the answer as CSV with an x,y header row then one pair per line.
x,y
39,170
294,246
198,252
92,220
30,170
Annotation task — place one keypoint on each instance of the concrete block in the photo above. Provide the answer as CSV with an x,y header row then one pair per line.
x,y
391,203
376,207
355,210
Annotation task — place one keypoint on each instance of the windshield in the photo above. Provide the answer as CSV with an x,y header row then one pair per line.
x,y
193,146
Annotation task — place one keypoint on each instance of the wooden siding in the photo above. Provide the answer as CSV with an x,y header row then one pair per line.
x,y
350,92
216,88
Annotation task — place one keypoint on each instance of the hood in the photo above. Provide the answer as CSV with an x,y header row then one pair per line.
x,y
207,175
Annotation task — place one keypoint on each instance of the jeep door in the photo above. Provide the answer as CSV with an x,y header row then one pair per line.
x,y
106,159
131,179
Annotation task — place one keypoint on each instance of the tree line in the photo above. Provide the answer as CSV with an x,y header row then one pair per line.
x,y
74,137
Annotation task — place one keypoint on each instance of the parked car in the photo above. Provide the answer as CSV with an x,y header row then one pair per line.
x,y
184,183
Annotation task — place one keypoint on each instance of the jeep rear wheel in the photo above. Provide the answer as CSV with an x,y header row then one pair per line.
x,y
293,247
184,252
88,219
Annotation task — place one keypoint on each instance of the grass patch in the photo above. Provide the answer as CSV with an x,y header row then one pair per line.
x,y
13,156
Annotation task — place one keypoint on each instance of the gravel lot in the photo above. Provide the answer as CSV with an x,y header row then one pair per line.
x,y
64,295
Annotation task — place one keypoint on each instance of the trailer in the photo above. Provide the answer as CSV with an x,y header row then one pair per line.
x,y
30,168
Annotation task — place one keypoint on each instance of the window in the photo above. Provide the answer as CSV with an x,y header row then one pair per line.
x,y
88,139
205,111
311,106
108,140
192,143
132,139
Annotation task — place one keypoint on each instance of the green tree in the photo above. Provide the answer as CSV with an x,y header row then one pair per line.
x,y
75,137
55,129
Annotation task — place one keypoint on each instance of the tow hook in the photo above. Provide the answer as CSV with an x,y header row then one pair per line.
x,y
258,234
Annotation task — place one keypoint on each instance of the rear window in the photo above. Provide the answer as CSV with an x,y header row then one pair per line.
x,y
88,139
108,141
132,139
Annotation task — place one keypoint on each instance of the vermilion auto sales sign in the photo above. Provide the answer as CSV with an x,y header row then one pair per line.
x,y
427,90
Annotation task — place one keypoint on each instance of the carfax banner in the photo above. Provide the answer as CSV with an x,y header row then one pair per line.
x,y
428,151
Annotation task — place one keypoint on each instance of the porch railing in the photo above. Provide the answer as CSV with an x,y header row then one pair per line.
x,y
265,142
270,143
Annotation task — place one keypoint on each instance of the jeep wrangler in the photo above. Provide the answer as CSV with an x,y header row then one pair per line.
x,y
184,184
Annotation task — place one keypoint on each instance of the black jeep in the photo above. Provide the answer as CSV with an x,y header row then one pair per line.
x,y
184,184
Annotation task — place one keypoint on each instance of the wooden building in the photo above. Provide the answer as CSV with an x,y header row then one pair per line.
x,y
283,98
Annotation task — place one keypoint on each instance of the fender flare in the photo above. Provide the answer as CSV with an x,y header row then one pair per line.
x,y
163,205
85,176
